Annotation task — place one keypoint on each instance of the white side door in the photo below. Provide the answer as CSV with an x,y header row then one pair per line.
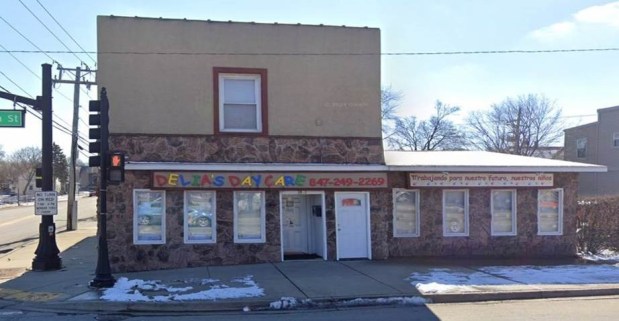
x,y
294,224
352,225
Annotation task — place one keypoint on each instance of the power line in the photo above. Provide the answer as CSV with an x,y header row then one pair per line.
x,y
26,38
56,124
48,29
420,53
20,62
65,31
16,85
32,43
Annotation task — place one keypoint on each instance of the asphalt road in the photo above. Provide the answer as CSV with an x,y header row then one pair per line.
x,y
577,309
18,223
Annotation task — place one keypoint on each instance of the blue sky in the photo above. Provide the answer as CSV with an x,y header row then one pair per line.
x,y
579,82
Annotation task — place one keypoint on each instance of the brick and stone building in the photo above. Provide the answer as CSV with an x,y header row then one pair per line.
x,y
250,143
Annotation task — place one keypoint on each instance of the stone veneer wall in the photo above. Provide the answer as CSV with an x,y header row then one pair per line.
x,y
126,256
249,149
479,242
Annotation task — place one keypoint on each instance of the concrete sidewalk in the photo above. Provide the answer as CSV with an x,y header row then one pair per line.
x,y
311,283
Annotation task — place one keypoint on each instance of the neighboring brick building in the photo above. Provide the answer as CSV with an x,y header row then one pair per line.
x,y
253,143
596,143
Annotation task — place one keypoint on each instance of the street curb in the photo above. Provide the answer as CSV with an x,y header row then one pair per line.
x,y
196,306
518,295
264,305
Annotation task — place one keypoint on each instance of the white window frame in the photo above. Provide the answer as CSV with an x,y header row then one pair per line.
x,y
213,218
559,216
136,239
616,139
514,215
446,232
257,97
262,238
581,142
395,192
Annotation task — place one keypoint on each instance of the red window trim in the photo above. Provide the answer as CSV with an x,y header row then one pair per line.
x,y
263,97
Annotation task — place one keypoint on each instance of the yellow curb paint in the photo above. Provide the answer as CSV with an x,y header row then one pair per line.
x,y
18,295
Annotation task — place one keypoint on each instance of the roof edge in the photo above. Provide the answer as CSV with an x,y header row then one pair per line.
x,y
320,167
237,22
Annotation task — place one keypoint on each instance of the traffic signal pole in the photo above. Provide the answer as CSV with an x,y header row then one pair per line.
x,y
103,275
47,251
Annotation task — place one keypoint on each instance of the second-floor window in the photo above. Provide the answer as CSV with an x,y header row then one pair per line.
x,y
581,148
616,140
240,96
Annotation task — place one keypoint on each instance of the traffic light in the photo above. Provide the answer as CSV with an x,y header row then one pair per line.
x,y
98,132
116,168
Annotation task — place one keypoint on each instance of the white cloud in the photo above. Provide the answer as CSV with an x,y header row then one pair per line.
x,y
557,30
607,14
596,16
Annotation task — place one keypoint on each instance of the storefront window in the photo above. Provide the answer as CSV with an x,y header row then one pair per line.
x,y
405,213
503,212
456,213
249,217
550,212
148,217
200,220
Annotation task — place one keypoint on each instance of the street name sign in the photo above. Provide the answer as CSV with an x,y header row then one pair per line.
x,y
46,203
12,118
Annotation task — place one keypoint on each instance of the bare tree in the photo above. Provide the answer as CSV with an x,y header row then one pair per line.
x,y
5,175
24,162
437,133
389,103
516,126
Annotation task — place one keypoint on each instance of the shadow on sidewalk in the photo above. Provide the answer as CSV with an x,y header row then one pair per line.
x,y
78,266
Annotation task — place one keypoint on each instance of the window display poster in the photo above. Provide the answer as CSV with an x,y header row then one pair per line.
x,y
405,205
454,212
199,216
249,207
502,211
149,207
548,204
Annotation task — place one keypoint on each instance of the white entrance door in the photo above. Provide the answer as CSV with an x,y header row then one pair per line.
x,y
294,224
352,225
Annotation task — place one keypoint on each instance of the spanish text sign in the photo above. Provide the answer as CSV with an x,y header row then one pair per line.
x,y
480,179
197,180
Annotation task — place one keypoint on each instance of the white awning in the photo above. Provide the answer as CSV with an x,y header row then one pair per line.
x,y
396,161
480,161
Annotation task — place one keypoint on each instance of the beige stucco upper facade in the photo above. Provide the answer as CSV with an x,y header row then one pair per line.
x,y
600,149
322,80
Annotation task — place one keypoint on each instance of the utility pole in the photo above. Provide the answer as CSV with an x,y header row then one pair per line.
x,y
72,203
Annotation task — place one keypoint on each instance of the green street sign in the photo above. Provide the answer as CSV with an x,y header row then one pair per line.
x,y
12,118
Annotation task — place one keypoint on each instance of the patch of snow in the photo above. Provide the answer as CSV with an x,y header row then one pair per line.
x,y
455,277
284,303
563,274
434,287
126,290
604,255
446,280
